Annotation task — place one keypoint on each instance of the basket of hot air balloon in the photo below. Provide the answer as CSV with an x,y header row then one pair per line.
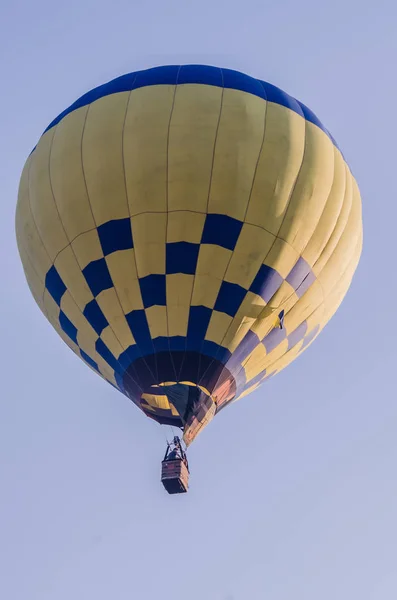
x,y
188,231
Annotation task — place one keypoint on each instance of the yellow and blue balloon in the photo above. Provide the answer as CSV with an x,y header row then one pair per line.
x,y
188,231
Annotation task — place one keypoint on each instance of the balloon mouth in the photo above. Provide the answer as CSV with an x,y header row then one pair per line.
x,y
148,380
192,406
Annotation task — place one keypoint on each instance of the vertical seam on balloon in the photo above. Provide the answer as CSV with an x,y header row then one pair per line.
x,y
289,201
129,213
40,238
23,250
245,214
21,245
336,224
166,221
92,212
319,218
208,199
65,232
357,235
49,257
284,216
207,208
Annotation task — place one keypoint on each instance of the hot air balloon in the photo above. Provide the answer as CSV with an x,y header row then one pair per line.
x,y
188,231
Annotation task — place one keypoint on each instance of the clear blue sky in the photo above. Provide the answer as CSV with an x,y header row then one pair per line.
x,y
293,491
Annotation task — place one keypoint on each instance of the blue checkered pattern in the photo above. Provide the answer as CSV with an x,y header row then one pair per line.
x,y
181,257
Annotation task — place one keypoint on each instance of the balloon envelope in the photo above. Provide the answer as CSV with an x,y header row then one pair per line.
x,y
188,231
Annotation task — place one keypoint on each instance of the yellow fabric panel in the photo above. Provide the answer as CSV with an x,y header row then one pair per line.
x,y
238,144
157,320
44,210
149,235
336,295
252,246
146,148
179,288
287,358
278,167
346,244
106,372
237,332
311,189
51,309
217,327
67,340
122,269
284,297
253,363
185,226
28,237
173,410
109,304
70,272
339,226
252,306
102,152
282,257
35,283
310,300
75,315
211,266
273,356
193,130
315,318
157,401
111,341
86,338
87,248
262,326
331,212
67,175
249,390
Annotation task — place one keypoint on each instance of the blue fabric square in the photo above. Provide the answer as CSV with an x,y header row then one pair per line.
x,y
95,317
68,327
200,74
89,360
298,273
153,290
274,338
97,276
221,230
166,75
266,282
214,350
306,283
54,284
115,235
274,94
129,356
297,335
239,81
199,318
310,336
230,298
139,326
107,356
182,258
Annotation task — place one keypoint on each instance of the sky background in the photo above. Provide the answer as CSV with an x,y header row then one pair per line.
x,y
293,490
